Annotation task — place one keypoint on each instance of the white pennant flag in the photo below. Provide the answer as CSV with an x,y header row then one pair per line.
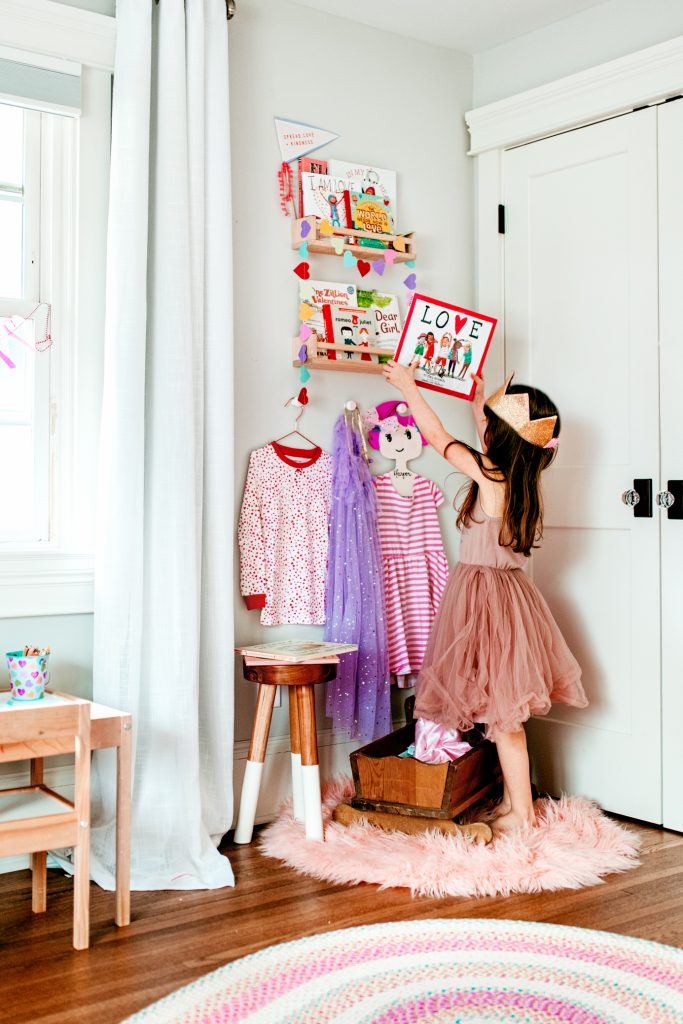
x,y
296,138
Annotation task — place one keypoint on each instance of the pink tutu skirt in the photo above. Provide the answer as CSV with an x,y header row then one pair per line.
x,y
495,654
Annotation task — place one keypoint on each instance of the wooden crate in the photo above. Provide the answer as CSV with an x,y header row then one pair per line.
x,y
386,782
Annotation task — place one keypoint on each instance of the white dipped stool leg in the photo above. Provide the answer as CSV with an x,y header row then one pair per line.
x,y
310,771
248,801
255,760
313,812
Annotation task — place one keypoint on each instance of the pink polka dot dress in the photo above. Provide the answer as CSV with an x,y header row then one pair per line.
x,y
283,534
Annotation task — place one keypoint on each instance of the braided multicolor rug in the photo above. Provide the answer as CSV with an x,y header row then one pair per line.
x,y
452,972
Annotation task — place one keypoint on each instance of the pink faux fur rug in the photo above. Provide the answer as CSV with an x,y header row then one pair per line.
x,y
573,845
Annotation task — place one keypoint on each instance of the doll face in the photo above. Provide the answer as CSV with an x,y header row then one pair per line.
x,y
400,445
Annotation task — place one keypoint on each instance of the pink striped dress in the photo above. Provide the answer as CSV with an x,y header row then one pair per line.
x,y
415,568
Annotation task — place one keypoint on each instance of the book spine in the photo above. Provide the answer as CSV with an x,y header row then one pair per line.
x,y
329,329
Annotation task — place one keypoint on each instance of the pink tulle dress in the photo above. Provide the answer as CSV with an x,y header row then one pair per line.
x,y
495,653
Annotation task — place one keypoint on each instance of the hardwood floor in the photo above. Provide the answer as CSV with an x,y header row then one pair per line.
x,y
176,937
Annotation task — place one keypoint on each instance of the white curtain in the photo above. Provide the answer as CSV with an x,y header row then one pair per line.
x,y
163,575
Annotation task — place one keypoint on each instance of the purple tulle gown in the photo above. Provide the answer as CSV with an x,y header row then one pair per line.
x,y
358,700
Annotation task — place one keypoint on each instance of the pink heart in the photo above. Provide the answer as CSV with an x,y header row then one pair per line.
x,y
35,674
460,322
389,256
21,691
305,332
22,663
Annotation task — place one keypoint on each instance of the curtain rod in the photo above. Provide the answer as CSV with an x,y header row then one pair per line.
x,y
230,8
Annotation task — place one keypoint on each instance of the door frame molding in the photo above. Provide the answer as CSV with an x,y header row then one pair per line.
x,y
648,76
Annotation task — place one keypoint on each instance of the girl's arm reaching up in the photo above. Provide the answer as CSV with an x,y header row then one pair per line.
x,y
478,409
429,424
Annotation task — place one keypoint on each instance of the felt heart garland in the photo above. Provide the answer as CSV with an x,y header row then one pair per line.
x,y
303,270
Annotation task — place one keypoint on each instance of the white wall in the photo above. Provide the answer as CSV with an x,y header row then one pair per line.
x,y
600,34
97,6
394,102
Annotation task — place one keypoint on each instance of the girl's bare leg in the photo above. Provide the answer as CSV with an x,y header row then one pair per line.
x,y
514,760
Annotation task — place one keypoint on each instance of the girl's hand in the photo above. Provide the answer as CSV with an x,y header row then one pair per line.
x,y
399,376
479,396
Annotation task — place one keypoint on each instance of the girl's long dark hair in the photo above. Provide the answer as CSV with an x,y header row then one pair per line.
x,y
518,464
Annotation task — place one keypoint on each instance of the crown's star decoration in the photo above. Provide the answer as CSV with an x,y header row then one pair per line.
x,y
514,410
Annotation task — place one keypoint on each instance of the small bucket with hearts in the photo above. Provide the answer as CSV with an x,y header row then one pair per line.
x,y
29,674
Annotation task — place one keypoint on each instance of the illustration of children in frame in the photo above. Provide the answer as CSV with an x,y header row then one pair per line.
x,y
449,363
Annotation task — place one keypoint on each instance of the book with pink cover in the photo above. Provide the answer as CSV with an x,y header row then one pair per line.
x,y
309,165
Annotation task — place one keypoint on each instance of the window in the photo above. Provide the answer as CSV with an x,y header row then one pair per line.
x,y
54,171
24,373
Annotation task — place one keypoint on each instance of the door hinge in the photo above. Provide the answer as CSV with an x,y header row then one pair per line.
x,y
501,219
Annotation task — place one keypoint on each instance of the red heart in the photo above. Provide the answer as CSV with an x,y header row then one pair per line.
x,y
460,322
363,267
303,271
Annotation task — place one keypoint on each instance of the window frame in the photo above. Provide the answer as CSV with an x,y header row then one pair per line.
x,y
56,576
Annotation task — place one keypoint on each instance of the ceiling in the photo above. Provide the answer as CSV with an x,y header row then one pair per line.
x,y
465,25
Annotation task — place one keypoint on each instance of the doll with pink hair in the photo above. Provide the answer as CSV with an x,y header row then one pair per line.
x,y
415,568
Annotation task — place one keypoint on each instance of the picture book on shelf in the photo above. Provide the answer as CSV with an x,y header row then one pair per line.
x,y
446,344
371,213
321,293
327,198
353,328
376,181
384,309
296,650
309,165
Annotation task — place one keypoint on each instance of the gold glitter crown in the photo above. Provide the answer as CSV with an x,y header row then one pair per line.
x,y
514,410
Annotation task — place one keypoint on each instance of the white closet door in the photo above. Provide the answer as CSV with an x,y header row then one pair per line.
x,y
581,297
671,394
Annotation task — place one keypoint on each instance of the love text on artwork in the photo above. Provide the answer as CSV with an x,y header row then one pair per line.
x,y
442,319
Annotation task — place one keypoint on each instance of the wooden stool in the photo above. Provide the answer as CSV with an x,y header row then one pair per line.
x,y
299,680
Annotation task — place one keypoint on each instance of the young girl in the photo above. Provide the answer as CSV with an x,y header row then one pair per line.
x,y
495,653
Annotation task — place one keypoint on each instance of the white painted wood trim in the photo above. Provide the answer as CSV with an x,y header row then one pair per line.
x,y
489,258
45,583
58,30
648,76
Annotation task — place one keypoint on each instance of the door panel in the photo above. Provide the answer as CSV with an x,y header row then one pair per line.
x,y
581,323
671,356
